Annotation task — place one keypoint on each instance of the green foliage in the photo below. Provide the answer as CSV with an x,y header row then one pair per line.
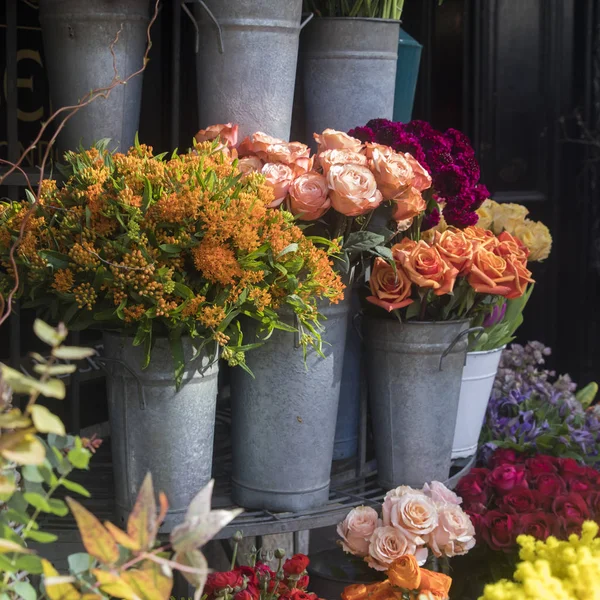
x,y
381,9
121,564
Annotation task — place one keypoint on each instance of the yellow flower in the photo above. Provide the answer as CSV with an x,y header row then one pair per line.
x,y
536,236
507,216
486,214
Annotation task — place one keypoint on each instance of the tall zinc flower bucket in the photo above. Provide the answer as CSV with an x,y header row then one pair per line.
x,y
156,429
77,48
476,387
407,74
349,69
246,64
414,373
283,419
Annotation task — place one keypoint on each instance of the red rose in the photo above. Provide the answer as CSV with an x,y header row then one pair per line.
x,y
249,573
263,571
499,530
549,485
592,476
297,594
303,582
571,507
505,478
219,581
282,589
477,520
245,595
592,499
520,501
570,465
296,565
473,488
577,483
569,526
540,464
504,456
538,524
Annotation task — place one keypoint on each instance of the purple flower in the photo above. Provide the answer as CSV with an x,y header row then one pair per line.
x,y
495,316
430,220
364,134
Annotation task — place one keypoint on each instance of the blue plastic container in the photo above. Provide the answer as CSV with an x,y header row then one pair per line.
x,y
407,73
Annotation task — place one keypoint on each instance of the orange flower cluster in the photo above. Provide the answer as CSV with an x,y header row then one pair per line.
x,y
490,265
134,238
405,580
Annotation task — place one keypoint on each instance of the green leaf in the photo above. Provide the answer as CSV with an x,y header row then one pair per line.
x,y
183,291
80,562
75,487
384,252
293,247
58,507
170,248
360,241
79,457
48,334
32,473
54,370
43,537
177,354
30,563
55,259
46,422
587,394
37,501
73,353
25,590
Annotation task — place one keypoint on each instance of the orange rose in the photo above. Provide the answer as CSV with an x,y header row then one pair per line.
x,y
258,143
426,268
353,190
436,583
340,157
490,273
408,204
228,134
309,196
391,288
331,139
455,248
405,573
370,147
522,276
358,591
392,173
422,180
279,177
405,245
483,237
508,246
250,164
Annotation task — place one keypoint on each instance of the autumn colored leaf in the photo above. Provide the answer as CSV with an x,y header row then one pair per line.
x,y
27,451
97,540
164,507
121,537
113,585
7,546
141,525
196,560
45,421
149,583
57,591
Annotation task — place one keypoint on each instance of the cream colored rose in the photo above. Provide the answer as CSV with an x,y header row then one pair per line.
x,y
250,164
536,236
309,196
293,154
279,177
454,533
416,514
392,496
392,172
357,529
486,214
258,143
331,139
371,146
422,180
227,133
340,157
388,544
440,494
353,190
507,216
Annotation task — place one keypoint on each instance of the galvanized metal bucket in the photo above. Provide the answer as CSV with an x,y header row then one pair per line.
x,y
349,67
475,389
283,420
77,48
414,373
246,63
156,429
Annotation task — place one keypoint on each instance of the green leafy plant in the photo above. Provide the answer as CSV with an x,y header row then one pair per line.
x,y
128,564
382,9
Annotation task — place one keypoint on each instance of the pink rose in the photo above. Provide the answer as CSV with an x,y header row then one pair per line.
x,y
331,139
356,530
415,514
391,498
228,134
422,179
392,173
340,157
258,143
280,177
293,154
388,544
353,190
440,494
408,204
370,147
250,164
506,478
454,533
309,196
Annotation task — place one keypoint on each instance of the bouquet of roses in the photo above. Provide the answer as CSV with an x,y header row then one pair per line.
x,y
539,496
413,522
259,582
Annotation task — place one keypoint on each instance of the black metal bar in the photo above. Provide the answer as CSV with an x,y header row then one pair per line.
x,y
175,73
12,125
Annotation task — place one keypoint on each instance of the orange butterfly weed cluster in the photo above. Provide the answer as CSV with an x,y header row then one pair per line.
x,y
166,245
406,581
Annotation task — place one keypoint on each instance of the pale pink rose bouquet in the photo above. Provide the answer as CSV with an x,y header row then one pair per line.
x,y
412,522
